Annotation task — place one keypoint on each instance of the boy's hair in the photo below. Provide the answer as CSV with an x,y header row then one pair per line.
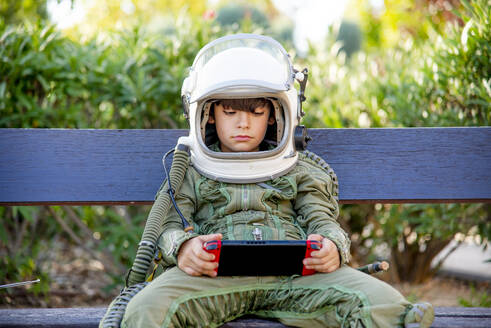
x,y
245,104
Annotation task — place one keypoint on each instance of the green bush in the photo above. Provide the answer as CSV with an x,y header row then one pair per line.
x,y
131,80
349,35
19,251
443,83
477,299
235,15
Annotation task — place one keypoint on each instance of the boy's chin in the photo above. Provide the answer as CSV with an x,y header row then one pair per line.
x,y
241,148
238,150
244,149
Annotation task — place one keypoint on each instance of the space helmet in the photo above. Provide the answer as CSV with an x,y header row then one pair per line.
x,y
237,67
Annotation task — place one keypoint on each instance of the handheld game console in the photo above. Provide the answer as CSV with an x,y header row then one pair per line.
x,y
261,257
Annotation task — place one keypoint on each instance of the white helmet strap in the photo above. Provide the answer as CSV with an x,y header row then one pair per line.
x,y
280,121
204,119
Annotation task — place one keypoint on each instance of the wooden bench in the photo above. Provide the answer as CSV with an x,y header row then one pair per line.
x,y
87,167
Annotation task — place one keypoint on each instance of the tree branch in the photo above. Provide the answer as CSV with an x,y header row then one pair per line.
x,y
72,234
66,228
74,217
453,249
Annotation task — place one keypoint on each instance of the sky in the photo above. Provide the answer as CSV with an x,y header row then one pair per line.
x,y
64,15
312,17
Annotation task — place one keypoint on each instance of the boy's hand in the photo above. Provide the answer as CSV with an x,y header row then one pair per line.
x,y
194,260
326,259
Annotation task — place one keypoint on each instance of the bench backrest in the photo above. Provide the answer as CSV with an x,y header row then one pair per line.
x,y
68,166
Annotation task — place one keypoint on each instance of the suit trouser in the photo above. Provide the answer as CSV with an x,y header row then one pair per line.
x,y
344,298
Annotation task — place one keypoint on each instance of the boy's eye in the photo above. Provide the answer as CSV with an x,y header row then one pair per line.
x,y
229,112
258,113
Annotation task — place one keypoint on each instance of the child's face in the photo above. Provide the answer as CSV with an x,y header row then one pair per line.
x,y
239,130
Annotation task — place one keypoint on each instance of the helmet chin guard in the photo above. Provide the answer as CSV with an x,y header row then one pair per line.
x,y
235,67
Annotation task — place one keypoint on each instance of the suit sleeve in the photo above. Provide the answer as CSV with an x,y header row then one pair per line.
x,y
173,235
317,207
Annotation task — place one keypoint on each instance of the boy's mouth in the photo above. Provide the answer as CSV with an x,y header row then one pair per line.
x,y
242,138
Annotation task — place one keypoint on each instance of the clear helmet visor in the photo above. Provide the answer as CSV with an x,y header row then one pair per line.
x,y
273,138
241,64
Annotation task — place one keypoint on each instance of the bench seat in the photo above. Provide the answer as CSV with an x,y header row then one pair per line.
x,y
445,317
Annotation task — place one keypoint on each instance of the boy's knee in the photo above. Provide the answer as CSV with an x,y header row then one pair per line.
x,y
144,315
146,309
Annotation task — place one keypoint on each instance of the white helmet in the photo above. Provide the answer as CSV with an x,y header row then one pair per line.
x,y
244,66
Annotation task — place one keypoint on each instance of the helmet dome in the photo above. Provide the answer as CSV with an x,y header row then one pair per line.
x,y
236,67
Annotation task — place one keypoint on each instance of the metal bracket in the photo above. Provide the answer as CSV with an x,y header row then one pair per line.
x,y
302,78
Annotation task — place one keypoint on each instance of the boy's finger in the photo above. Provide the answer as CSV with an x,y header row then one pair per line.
x,y
204,264
322,258
323,252
210,273
328,266
207,266
203,272
204,255
332,263
190,271
313,261
332,268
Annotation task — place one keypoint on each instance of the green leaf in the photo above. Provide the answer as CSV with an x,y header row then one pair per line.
x,y
3,87
3,235
27,212
43,82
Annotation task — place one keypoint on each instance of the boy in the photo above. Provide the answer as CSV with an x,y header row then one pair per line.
x,y
248,179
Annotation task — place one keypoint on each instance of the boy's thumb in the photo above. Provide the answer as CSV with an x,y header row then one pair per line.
x,y
215,236
315,236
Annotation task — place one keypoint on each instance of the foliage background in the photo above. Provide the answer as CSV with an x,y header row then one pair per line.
x,y
416,63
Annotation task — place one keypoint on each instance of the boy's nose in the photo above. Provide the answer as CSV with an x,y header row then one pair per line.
x,y
243,119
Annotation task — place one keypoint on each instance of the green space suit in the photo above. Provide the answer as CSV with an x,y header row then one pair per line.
x,y
232,83
299,203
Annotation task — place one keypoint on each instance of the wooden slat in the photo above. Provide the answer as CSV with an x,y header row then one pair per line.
x,y
54,166
409,164
51,318
58,166
445,317
461,317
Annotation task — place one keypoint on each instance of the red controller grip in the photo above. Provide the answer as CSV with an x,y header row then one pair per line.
x,y
214,247
312,245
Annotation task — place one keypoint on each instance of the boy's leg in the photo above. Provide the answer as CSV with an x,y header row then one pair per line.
x,y
175,299
344,298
